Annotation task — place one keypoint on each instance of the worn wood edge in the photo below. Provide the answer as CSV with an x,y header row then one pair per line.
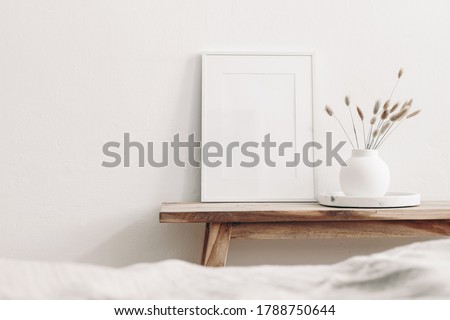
x,y
340,229
280,206
298,216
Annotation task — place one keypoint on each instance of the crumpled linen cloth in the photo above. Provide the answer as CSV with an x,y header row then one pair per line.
x,y
416,271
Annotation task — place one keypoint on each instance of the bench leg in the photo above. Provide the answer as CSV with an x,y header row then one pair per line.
x,y
216,243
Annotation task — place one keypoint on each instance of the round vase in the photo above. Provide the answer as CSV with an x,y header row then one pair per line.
x,y
366,175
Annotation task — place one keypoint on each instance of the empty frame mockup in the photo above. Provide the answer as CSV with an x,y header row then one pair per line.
x,y
256,114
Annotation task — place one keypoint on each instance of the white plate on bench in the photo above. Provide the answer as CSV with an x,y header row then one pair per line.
x,y
390,200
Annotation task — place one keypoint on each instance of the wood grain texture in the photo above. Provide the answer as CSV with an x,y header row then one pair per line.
x,y
216,244
302,221
294,212
340,229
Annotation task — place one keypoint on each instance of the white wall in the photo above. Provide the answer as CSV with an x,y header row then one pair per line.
x,y
76,74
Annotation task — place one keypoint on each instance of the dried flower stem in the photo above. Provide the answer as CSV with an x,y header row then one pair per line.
x,y
387,134
331,114
393,90
399,75
361,117
380,133
383,117
378,143
347,103
384,121
402,116
374,135
364,134
369,139
384,113
384,136
376,108
369,135
396,117
345,131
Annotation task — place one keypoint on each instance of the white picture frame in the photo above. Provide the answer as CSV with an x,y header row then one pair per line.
x,y
244,97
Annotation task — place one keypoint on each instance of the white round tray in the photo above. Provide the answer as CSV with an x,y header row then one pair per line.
x,y
390,200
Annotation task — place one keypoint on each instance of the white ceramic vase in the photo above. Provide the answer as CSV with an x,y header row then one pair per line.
x,y
366,175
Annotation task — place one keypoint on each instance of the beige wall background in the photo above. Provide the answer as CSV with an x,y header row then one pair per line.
x,y
76,74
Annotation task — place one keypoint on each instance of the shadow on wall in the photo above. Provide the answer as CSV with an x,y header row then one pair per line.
x,y
147,240
144,241
192,79
310,251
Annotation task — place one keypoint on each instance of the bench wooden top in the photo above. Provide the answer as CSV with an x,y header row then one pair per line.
x,y
198,212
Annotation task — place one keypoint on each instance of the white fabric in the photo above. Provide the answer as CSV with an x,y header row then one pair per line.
x,y
421,270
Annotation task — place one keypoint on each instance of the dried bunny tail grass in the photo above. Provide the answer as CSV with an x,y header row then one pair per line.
x,y
360,113
376,107
329,111
399,115
394,107
410,102
385,114
413,114
347,103
386,104
399,75
382,134
373,120
385,126
361,116
375,133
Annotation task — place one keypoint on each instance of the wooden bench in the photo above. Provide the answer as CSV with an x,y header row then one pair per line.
x,y
226,221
